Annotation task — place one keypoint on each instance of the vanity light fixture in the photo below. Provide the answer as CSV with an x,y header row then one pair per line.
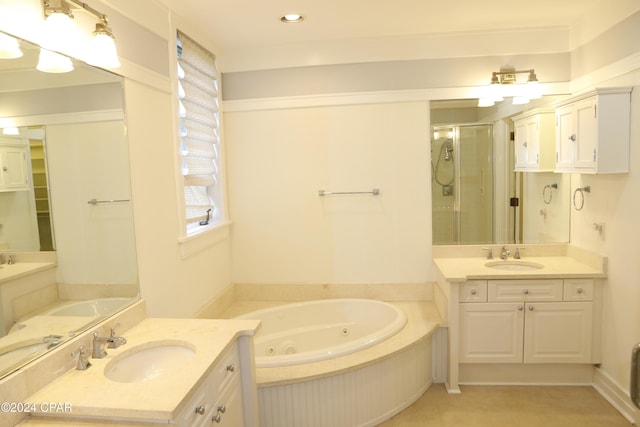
x,y
9,47
292,18
60,35
504,84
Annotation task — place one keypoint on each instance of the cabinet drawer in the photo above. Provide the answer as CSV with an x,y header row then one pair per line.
x,y
578,290
227,368
524,290
473,291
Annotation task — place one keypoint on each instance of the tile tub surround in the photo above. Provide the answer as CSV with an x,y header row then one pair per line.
x,y
92,395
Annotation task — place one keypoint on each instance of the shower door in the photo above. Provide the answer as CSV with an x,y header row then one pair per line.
x,y
462,184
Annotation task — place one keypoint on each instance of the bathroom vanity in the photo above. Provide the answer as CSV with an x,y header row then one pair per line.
x,y
188,372
533,320
185,372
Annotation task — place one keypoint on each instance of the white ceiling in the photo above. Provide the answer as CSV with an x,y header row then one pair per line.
x,y
243,23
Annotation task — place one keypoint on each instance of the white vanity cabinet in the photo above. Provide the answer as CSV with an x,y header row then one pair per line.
x,y
534,141
592,132
527,321
13,168
218,401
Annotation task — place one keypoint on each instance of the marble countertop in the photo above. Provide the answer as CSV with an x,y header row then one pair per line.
x,y
20,269
91,395
463,269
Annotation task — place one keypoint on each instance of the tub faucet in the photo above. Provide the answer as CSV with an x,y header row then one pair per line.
x,y
504,253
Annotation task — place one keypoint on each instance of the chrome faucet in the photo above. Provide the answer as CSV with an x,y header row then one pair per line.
x,y
112,341
504,253
83,359
115,341
99,344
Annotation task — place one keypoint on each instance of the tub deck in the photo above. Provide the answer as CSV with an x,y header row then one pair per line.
x,y
422,321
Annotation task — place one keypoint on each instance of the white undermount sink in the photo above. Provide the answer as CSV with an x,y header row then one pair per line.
x,y
514,265
149,361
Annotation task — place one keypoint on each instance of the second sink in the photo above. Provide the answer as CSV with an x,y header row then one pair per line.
x,y
514,265
149,361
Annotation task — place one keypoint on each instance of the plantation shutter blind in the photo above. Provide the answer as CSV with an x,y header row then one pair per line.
x,y
199,137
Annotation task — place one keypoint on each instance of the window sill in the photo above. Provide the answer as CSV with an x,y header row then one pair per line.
x,y
210,235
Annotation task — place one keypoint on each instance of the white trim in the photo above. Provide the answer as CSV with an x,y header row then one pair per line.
x,y
131,70
615,395
615,69
64,118
210,236
412,95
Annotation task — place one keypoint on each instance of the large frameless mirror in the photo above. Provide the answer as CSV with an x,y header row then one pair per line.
x,y
477,196
65,191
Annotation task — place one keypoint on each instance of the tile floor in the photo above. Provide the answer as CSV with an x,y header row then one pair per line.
x,y
510,406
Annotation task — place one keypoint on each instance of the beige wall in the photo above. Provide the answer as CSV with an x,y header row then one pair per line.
x,y
283,232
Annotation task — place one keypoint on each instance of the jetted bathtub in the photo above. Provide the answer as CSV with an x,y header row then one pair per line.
x,y
317,330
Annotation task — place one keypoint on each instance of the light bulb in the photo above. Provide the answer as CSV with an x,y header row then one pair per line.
x,y
52,62
9,47
102,51
13,131
59,33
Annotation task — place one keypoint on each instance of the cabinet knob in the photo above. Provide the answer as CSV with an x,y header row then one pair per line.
x,y
473,292
525,291
530,308
579,290
573,137
520,308
216,418
222,409
231,368
200,410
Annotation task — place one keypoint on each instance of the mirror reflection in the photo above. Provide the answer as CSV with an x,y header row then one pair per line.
x,y
67,248
478,196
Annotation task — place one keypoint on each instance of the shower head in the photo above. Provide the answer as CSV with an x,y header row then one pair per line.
x,y
448,149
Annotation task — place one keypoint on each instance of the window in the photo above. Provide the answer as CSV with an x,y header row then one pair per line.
x,y
199,134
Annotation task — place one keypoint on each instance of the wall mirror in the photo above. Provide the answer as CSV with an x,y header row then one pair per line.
x,y
477,197
65,187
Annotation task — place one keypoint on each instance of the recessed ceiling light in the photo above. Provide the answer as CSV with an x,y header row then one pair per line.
x,y
292,18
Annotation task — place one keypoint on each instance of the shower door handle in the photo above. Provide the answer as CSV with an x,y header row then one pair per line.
x,y
635,381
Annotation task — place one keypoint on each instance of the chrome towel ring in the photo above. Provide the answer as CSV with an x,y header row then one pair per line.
x,y
548,195
580,190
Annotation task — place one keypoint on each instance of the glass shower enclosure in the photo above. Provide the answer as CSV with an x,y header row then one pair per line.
x,y
462,184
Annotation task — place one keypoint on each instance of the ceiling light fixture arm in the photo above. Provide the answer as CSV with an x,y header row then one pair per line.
x,y
61,6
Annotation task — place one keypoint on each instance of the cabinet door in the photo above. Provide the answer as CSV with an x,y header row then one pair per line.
x,y
229,410
491,333
14,168
587,134
527,134
558,332
565,137
533,143
521,144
